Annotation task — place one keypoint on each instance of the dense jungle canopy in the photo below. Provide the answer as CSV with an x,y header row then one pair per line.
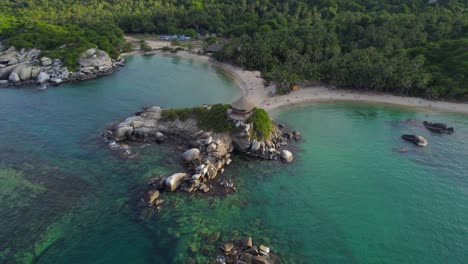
x,y
410,47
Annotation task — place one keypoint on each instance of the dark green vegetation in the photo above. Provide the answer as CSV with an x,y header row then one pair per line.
x,y
404,47
262,124
66,42
209,119
215,119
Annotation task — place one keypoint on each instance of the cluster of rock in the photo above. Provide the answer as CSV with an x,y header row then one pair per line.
x,y
244,252
206,154
27,66
269,148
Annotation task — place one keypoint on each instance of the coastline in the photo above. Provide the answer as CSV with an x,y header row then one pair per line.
x,y
252,86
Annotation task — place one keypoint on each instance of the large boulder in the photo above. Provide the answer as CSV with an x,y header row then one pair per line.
x,y
97,59
255,146
241,143
13,62
56,81
122,133
191,155
42,78
24,72
46,61
173,182
35,72
286,156
6,72
14,77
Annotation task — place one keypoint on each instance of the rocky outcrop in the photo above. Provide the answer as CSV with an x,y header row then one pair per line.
x,y
205,154
265,149
244,251
94,62
27,66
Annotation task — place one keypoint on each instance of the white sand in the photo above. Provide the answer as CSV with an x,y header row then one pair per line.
x,y
252,86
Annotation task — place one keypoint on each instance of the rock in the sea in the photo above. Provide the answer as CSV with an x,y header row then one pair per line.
x,y
151,196
247,242
56,81
97,59
264,250
122,133
227,247
252,250
286,156
24,72
14,77
255,146
160,137
173,182
42,78
191,155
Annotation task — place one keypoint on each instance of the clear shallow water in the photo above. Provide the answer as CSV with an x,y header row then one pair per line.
x,y
353,198
349,196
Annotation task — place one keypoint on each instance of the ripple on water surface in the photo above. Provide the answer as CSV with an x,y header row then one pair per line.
x,y
349,196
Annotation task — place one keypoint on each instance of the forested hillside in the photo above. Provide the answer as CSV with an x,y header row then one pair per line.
x,y
416,47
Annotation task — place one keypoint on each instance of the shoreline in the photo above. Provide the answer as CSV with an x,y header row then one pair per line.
x,y
252,87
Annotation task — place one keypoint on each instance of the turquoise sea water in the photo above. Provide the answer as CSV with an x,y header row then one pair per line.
x,y
349,196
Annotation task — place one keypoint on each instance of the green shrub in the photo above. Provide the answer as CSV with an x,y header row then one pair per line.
x,y
263,126
144,46
215,118
176,42
208,119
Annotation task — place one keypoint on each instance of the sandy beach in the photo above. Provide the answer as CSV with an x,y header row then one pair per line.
x,y
253,87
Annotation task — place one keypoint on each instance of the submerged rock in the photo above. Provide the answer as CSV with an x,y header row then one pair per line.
x,y
151,196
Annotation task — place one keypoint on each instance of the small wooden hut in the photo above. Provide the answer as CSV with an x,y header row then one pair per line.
x,y
241,109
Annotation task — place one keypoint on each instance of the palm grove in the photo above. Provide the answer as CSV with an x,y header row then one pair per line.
x,y
410,47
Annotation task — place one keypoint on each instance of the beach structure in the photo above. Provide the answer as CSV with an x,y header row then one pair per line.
x,y
295,88
214,48
241,109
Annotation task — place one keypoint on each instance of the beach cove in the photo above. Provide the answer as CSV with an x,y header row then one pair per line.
x,y
378,205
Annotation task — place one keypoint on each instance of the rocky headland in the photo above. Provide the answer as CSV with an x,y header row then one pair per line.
x,y
19,67
208,135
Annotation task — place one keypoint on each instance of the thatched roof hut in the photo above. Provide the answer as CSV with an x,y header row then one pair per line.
x,y
243,105
214,48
